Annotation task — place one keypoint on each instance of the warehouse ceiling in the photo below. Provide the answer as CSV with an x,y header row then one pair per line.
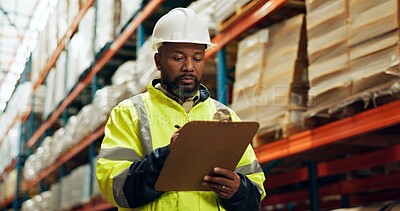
x,y
20,22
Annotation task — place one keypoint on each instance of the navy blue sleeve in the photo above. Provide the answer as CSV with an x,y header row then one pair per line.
x,y
139,185
246,198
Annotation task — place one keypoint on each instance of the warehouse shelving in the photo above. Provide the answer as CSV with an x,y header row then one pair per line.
x,y
100,63
314,139
62,43
381,117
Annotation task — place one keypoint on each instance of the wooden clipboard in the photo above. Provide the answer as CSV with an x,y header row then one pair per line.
x,y
201,146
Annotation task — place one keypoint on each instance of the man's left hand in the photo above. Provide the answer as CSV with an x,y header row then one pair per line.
x,y
223,182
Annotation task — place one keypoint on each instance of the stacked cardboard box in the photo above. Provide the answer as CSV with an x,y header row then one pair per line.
x,y
225,8
374,45
327,52
271,77
249,65
284,80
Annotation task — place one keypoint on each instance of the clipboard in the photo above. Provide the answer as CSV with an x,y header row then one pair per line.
x,y
201,146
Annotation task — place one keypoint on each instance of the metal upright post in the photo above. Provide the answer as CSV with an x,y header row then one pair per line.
x,y
21,143
94,88
313,182
16,202
139,33
222,92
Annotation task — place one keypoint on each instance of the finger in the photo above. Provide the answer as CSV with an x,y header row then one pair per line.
x,y
226,173
220,181
219,190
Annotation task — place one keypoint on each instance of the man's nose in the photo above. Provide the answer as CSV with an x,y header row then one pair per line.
x,y
188,65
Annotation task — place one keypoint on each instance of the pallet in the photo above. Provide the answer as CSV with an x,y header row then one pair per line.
x,y
239,13
353,105
268,135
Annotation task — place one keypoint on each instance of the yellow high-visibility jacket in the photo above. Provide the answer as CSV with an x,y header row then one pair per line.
x,y
136,144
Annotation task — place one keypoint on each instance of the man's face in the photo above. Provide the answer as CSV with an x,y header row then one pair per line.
x,y
181,66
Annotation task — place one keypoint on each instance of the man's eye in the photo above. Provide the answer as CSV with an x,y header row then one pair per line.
x,y
197,59
178,59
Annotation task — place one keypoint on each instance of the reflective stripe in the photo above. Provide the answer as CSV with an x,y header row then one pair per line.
x,y
119,153
118,186
252,168
144,124
219,105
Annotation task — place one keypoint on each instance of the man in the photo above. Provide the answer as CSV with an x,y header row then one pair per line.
x,y
140,131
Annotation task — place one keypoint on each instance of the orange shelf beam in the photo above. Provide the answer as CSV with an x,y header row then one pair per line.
x,y
117,44
9,168
22,119
67,156
362,161
7,202
61,45
260,11
374,119
377,183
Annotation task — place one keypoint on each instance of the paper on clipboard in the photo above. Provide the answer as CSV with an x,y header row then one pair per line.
x,y
201,146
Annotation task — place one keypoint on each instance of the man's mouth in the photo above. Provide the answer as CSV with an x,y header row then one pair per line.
x,y
187,79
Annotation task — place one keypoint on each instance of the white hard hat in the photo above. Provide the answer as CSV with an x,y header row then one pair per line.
x,y
180,25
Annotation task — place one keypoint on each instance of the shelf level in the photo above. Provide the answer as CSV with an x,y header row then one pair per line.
x,y
100,63
357,162
61,45
22,119
67,156
7,202
367,121
244,23
8,169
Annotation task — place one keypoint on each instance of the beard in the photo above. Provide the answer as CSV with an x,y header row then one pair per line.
x,y
182,91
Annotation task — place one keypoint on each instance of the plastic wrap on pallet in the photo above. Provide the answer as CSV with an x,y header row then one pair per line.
x,y
59,88
59,143
89,120
86,31
105,99
29,205
9,147
108,22
20,100
73,10
146,69
62,14
48,101
128,9
56,192
205,10
225,8
39,96
124,73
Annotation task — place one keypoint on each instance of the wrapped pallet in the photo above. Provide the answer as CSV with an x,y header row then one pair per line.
x,y
283,88
226,8
327,53
249,66
108,21
271,77
374,46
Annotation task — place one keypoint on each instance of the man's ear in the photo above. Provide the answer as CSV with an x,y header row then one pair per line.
x,y
157,60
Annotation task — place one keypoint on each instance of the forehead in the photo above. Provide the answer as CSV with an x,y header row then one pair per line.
x,y
182,47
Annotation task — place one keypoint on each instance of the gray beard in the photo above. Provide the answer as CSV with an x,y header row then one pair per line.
x,y
182,92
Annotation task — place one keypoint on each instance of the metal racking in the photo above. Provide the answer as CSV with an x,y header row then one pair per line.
x,y
270,154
